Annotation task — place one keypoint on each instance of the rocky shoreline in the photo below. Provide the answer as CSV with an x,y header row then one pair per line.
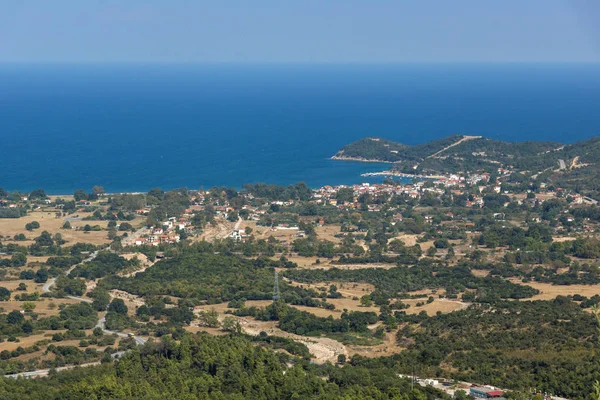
x,y
360,159
401,174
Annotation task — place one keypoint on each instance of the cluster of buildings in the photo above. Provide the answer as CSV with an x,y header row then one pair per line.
x,y
166,233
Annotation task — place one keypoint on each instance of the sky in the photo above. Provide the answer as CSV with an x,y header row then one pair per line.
x,y
293,31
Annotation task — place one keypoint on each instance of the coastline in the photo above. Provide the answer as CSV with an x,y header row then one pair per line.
x,y
359,159
401,174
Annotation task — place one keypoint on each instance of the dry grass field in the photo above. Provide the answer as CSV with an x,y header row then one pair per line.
x,y
42,306
48,222
31,340
549,291
563,239
408,239
442,305
328,232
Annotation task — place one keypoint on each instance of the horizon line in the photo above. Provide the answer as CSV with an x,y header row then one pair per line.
x,y
349,63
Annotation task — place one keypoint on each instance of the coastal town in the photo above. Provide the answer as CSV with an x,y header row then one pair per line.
x,y
403,269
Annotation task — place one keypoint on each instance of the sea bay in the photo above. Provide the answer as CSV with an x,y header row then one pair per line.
x,y
133,127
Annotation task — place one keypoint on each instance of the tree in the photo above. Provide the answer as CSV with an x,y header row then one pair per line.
x,y
45,239
18,260
4,294
20,237
209,318
366,301
37,194
341,359
247,230
32,225
125,226
231,324
79,195
232,216
15,317
66,225
22,286
41,276
118,306
98,190
101,300
58,239
28,306
345,195
27,327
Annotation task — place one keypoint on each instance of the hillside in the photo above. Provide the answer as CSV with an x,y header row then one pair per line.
x,y
383,150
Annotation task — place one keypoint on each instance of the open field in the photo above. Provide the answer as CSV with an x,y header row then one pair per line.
x,y
549,291
563,239
387,348
408,239
32,287
441,305
29,340
328,232
41,306
480,273
347,289
48,222
310,263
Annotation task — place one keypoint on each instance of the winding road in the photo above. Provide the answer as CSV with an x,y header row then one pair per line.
x,y
100,324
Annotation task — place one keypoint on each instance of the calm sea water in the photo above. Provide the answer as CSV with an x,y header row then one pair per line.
x,y
134,127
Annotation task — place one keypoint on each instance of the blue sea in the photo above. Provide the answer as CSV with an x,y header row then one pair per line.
x,y
134,127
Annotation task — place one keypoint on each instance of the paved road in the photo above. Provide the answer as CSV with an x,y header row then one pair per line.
x,y
51,282
102,321
44,372
100,324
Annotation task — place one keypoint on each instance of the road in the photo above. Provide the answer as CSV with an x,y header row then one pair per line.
x,y
44,372
464,139
100,324
102,321
236,227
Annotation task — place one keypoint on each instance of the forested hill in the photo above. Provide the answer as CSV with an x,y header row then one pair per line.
x,y
566,165
229,367
378,149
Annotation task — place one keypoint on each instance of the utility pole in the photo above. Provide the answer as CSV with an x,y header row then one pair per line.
x,y
276,294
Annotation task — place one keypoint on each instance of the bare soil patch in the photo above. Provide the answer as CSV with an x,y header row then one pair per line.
x,y
323,349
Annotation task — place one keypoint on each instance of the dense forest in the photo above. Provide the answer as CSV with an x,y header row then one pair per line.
x,y
228,367
550,345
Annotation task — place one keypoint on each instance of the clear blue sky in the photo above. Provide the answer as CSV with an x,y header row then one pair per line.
x,y
299,31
